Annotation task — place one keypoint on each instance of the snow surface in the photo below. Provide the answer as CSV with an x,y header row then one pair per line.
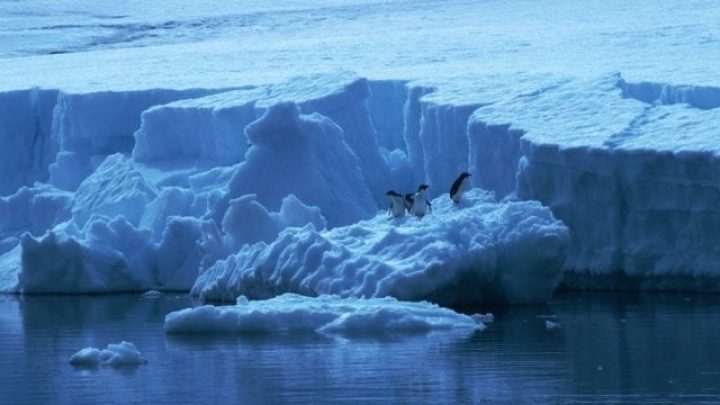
x,y
146,146
480,252
327,314
122,354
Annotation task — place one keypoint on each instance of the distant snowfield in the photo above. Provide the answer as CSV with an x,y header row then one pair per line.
x,y
146,145
171,44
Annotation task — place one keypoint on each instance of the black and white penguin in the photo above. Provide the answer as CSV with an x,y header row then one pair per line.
x,y
409,197
458,187
421,205
397,204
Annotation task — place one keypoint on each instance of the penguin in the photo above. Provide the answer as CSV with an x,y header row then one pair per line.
x,y
409,197
397,204
421,205
458,187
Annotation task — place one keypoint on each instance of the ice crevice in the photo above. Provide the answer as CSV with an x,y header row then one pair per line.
x,y
258,190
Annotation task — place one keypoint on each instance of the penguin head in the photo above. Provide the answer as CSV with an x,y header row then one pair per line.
x,y
392,193
464,175
423,187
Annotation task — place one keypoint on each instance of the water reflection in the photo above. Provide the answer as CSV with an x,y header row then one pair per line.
x,y
662,344
609,348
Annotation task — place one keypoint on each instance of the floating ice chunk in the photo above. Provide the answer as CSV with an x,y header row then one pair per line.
x,y
486,251
289,313
484,318
550,325
152,294
116,355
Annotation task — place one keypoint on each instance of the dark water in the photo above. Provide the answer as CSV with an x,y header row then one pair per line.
x,y
609,348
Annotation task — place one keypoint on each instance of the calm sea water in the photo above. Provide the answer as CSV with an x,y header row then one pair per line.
x,y
609,348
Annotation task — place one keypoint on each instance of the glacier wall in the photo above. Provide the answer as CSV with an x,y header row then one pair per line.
x,y
630,168
444,139
386,105
413,117
199,174
175,170
349,110
204,131
90,126
26,119
494,155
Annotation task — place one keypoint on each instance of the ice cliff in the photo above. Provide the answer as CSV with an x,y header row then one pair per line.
x,y
629,167
133,190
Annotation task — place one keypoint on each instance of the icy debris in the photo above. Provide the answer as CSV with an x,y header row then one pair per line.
x,y
116,355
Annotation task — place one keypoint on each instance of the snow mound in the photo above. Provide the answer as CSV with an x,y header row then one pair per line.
x,y
116,355
292,313
479,252
304,155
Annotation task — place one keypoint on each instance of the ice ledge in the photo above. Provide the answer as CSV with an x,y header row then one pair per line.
x,y
480,252
630,168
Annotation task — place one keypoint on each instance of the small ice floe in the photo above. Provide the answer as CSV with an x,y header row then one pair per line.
x,y
484,318
551,321
292,313
152,294
116,355
550,325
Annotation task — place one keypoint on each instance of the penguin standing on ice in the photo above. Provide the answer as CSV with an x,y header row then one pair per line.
x,y
397,204
458,187
421,205
409,197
